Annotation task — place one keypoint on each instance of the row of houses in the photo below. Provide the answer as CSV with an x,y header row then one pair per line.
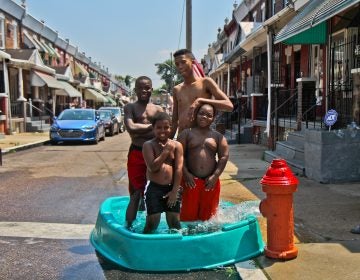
x,y
41,73
285,64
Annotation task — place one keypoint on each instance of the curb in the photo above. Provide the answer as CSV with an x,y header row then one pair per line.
x,y
24,147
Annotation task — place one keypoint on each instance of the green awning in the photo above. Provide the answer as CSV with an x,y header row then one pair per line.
x,y
110,100
309,25
314,35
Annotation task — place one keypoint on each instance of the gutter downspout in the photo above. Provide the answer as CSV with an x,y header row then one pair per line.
x,y
269,62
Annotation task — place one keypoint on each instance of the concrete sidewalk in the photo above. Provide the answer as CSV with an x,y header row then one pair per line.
x,y
323,214
22,141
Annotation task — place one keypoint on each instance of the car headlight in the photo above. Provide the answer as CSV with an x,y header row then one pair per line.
x,y
54,127
88,127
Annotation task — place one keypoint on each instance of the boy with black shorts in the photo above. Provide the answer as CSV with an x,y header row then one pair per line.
x,y
164,161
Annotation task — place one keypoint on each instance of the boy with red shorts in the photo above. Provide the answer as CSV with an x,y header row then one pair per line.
x,y
137,119
206,153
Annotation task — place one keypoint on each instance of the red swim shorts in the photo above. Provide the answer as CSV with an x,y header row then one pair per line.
x,y
136,170
198,204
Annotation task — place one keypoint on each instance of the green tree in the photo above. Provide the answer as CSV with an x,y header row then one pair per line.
x,y
127,80
168,74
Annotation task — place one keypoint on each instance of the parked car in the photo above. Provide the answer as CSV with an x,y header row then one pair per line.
x,y
110,122
77,125
119,114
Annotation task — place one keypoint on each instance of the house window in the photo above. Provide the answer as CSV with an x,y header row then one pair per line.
x,y
254,16
15,37
2,31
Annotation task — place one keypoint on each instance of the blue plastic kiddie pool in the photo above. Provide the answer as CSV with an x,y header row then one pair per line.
x,y
172,251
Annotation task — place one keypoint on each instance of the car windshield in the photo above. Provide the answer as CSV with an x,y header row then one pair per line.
x,y
105,115
115,111
76,115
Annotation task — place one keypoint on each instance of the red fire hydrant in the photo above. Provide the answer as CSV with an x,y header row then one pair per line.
x,y
279,184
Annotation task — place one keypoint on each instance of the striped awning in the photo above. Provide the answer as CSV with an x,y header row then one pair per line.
x,y
68,90
309,25
40,79
92,94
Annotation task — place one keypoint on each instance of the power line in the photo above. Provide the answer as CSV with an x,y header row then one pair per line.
x,y
181,25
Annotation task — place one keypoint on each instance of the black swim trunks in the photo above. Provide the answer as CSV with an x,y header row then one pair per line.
x,y
155,203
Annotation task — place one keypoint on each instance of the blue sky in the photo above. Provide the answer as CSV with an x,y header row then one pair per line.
x,y
129,37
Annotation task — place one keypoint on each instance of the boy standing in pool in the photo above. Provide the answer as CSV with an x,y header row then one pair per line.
x,y
164,161
206,153
193,92
137,118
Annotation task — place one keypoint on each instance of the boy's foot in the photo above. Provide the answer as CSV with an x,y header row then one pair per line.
x,y
355,230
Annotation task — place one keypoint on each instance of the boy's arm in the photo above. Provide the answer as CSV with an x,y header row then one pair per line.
x,y
178,166
223,156
131,126
221,101
178,162
154,163
175,116
187,176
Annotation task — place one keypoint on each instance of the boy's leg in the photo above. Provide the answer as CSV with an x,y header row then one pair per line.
x,y
133,206
173,220
189,203
152,222
209,202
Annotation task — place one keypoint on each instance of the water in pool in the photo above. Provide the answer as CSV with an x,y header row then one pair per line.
x,y
228,213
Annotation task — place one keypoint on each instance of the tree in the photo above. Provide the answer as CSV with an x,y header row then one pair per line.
x,y
127,80
168,74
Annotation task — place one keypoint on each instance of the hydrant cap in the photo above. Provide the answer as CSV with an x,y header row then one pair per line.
x,y
279,174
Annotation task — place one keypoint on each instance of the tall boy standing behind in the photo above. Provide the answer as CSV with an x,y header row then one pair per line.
x,y
137,119
206,153
164,161
193,92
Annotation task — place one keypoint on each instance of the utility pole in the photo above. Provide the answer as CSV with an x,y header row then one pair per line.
x,y
189,24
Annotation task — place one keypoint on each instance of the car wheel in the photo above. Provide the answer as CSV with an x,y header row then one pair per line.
x,y
121,127
103,136
53,142
112,131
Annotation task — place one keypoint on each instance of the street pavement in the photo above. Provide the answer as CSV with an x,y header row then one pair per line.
x,y
323,215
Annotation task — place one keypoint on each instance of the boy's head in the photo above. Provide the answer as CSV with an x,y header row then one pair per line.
x,y
143,88
205,115
185,52
161,123
183,61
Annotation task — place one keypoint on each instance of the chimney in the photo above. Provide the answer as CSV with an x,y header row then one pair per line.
x,y
23,4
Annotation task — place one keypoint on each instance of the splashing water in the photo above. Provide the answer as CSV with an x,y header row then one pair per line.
x,y
227,213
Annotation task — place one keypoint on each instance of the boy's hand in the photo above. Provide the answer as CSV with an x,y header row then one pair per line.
x,y
169,146
210,182
189,180
194,105
171,198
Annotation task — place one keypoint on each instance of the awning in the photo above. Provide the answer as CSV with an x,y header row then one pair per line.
x,y
42,47
79,69
67,90
110,100
92,94
39,80
309,25
30,42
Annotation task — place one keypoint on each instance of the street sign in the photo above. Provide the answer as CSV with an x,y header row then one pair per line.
x,y
330,117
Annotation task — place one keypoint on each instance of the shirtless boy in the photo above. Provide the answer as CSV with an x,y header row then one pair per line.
x,y
137,119
193,92
164,161
206,153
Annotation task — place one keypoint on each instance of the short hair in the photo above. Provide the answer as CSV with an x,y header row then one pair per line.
x,y
198,108
160,116
142,78
184,52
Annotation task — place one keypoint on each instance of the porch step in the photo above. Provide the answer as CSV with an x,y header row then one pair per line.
x,y
232,136
291,150
37,126
297,166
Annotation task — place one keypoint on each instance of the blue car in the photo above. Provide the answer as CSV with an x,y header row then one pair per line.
x,y
77,125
